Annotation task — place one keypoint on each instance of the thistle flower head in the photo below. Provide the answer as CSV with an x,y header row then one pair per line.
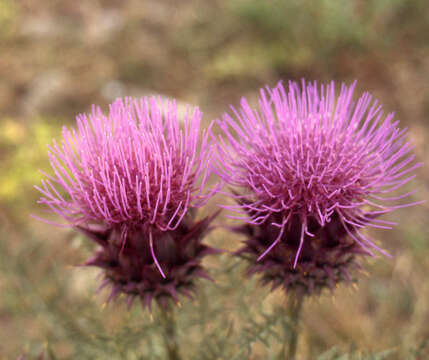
x,y
307,158
132,175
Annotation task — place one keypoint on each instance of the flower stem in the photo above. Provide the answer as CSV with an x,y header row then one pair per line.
x,y
292,326
169,334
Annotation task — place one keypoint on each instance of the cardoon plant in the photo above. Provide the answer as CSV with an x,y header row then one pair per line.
x,y
310,170
131,181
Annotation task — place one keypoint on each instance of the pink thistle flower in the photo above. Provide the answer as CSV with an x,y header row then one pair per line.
x,y
131,181
312,169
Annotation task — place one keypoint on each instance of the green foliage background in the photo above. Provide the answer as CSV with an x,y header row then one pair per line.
x,y
58,57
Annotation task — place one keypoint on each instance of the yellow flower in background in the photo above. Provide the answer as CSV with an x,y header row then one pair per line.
x,y
22,154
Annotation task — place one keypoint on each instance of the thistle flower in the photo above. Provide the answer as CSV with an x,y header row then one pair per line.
x,y
311,170
132,181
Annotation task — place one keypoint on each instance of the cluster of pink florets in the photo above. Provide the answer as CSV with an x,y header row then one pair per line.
x,y
309,154
133,166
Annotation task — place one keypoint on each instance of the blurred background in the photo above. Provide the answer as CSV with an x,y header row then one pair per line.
x,y
58,57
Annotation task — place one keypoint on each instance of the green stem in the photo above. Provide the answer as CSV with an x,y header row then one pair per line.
x,y
169,334
292,326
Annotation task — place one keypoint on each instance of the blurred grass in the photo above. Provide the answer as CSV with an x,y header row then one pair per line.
x,y
59,57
